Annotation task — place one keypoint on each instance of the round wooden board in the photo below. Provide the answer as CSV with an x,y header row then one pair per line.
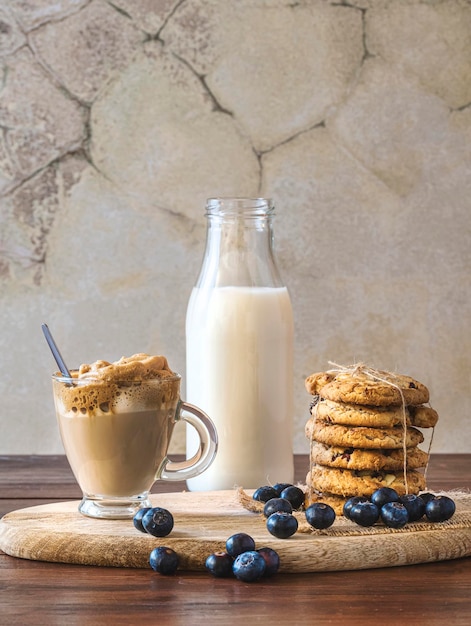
x,y
204,520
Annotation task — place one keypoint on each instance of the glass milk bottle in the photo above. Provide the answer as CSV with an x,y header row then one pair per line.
x,y
239,342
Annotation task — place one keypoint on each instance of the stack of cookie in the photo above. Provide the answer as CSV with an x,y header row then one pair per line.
x,y
364,434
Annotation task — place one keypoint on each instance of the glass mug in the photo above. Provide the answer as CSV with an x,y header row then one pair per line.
x,y
116,436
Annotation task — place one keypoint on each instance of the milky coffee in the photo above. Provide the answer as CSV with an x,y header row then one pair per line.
x,y
116,421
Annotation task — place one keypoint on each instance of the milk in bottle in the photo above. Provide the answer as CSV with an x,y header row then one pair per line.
x,y
239,342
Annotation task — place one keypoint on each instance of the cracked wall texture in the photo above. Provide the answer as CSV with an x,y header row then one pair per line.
x,y
118,118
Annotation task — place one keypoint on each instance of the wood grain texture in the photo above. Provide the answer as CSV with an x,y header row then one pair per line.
x,y
57,532
37,592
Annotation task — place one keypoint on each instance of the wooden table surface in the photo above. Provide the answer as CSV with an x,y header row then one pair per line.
x,y
34,592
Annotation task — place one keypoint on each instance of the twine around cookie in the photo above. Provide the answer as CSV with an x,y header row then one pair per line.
x,y
381,376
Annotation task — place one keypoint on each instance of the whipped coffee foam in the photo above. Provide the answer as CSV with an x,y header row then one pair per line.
x,y
103,387
137,367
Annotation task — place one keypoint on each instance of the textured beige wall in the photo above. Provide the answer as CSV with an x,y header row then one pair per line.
x,y
118,119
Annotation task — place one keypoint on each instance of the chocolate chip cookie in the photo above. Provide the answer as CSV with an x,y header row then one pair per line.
x,y
345,482
423,416
358,415
374,460
376,417
361,385
362,437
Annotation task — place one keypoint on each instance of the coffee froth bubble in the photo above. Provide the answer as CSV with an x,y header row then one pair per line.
x,y
134,383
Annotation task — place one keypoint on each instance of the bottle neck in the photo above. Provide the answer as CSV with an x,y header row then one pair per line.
x,y
239,244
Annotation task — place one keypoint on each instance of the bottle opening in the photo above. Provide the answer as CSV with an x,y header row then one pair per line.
x,y
241,206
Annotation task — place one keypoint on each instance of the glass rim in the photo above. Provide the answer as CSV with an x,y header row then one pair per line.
x,y
60,378
257,207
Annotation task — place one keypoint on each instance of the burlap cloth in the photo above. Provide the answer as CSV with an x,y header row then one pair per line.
x,y
345,527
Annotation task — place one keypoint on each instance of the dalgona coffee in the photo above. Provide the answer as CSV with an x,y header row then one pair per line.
x,y
116,421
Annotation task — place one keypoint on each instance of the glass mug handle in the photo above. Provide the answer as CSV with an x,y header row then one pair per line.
x,y
173,470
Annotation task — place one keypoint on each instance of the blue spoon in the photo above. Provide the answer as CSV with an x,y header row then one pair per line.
x,y
55,352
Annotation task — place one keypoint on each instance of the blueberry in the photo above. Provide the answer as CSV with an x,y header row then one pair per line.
x,y
277,504
238,543
249,566
282,525
164,560
415,506
364,513
350,502
440,509
265,493
158,522
383,495
279,487
272,561
219,564
426,497
137,519
394,515
294,495
320,515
